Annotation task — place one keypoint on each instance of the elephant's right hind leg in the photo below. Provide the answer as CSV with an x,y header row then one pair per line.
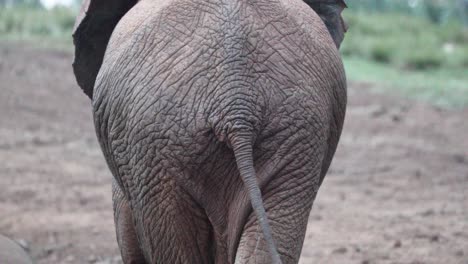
x,y
125,229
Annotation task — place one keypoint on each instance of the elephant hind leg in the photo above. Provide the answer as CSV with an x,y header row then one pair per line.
x,y
288,230
288,199
125,230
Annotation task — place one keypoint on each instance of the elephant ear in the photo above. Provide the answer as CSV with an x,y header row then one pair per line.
x,y
330,13
93,29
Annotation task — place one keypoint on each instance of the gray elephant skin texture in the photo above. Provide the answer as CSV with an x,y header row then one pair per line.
x,y
217,118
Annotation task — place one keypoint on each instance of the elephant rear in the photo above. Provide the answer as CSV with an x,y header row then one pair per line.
x,y
200,107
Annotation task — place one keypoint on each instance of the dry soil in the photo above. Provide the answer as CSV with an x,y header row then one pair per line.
x,y
397,191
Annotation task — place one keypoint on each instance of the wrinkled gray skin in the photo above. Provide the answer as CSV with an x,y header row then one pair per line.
x,y
198,106
11,252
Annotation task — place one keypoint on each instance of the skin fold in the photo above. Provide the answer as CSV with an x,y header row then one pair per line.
x,y
218,119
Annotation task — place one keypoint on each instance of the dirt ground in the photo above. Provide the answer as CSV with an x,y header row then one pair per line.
x,y
397,191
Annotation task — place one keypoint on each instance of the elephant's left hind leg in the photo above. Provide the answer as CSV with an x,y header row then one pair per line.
x,y
288,200
125,230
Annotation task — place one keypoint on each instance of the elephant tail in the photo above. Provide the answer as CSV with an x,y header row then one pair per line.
x,y
241,142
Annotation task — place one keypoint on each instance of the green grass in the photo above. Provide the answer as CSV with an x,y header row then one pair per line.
x,y
436,11
408,55
447,88
404,41
43,28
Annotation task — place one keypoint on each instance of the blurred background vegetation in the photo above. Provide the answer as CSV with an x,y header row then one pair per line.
x,y
415,47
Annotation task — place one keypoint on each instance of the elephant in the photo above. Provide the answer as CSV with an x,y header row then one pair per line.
x,y
217,119
11,252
